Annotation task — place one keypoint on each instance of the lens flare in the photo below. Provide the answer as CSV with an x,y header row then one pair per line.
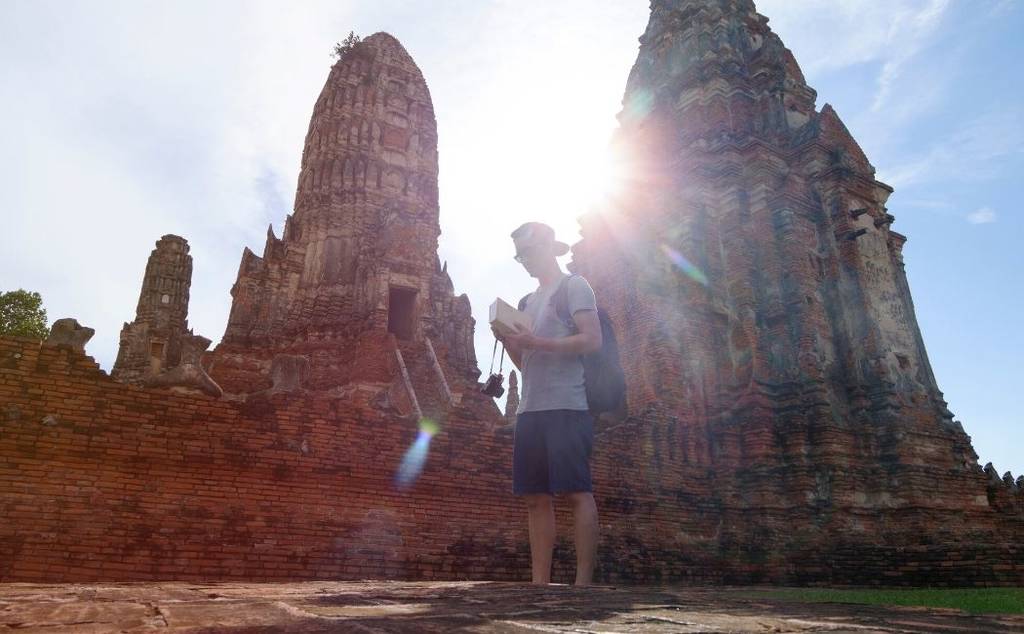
x,y
640,104
416,456
684,265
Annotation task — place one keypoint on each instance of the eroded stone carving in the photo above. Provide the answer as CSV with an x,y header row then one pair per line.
x,y
68,332
288,372
189,374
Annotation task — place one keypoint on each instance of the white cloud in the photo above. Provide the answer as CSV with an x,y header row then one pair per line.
x,y
1003,7
982,216
894,42
910,31
928,203
829,35
979,150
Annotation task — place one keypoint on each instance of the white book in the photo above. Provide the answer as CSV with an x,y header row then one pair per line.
x,y
504,317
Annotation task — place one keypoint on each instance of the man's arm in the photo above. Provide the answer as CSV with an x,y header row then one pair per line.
x,y
588,338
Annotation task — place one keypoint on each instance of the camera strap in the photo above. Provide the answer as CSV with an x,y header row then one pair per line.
x,y
494,352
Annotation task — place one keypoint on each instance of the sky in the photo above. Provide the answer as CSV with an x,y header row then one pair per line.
x,y
124,121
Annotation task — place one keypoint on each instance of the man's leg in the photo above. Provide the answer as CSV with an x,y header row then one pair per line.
x,y
584,512
542,536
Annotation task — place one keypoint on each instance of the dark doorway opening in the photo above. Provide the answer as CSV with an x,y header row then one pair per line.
x,y
156,356
401,304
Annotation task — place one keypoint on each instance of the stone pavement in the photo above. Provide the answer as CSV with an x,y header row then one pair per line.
x,y
382,606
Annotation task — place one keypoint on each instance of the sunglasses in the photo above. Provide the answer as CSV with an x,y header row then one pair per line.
x,y
526,254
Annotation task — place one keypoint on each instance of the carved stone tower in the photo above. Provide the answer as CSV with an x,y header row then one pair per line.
x,y
152,343
771,327
357,262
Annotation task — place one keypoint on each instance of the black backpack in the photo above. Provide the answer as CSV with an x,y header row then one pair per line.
x,y
602,371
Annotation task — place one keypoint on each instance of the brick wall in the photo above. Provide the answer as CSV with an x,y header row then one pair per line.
x,y
105,481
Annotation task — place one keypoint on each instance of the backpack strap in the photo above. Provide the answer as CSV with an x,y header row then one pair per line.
x,y
561,300
522,302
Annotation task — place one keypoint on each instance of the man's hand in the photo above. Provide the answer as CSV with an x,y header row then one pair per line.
x,y
586,340
514,353
522,340
511,342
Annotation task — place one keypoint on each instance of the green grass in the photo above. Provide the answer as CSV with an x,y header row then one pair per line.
x,y
975,601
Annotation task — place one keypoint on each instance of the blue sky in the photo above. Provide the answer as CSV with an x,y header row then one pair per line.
x,y
125,121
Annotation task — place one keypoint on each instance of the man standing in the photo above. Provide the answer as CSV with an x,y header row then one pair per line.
x,y
554,430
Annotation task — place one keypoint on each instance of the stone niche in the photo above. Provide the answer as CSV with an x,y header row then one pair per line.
x,y
402,312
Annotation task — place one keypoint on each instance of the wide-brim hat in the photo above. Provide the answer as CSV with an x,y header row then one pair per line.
x,y
538,234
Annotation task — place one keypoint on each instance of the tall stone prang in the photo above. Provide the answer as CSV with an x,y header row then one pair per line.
x,y
768,324
357,262
152,342
766,220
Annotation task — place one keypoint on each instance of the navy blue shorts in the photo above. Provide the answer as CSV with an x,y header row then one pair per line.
x,y
551,452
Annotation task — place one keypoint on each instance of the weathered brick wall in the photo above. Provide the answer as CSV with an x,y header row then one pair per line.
x,y
104,480
100,480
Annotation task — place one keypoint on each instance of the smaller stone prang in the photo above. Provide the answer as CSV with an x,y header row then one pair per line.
x,y
68,332
152,344
189,375
512,402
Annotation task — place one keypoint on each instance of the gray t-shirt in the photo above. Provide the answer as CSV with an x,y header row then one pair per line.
x,y
551,380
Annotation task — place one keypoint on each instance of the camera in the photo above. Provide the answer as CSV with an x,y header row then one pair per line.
x,y
493,386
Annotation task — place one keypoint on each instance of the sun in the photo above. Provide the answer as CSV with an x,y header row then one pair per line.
x,y
586,178
552,166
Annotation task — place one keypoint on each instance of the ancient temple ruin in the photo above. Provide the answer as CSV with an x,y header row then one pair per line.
x,y
784,424
772,335
357,261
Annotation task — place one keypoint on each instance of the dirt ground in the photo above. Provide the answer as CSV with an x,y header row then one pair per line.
x,y
380,606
